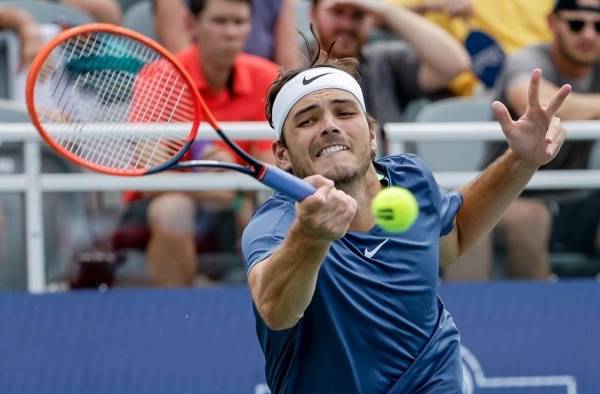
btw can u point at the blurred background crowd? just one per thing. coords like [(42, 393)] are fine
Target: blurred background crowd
[(419, 61)]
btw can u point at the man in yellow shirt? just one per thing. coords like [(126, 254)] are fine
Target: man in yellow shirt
[(512, 23)]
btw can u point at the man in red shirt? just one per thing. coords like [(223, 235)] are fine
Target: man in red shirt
[(234, 86)]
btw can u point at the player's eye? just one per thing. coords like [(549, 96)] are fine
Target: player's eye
[(307, 122), (346, 114)]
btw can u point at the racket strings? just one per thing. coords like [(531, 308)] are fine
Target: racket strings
[(106, 98)]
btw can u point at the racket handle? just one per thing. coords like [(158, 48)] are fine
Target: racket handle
[(286, 183)]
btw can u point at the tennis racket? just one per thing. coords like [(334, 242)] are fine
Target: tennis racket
[(116, 102)]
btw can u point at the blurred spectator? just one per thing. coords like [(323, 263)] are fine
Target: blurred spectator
[(393, 73), (572, 57), (512, 23), (26, 28), (233, 85), (273, 29), (105, 11)]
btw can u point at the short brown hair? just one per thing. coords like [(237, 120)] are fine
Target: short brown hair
[(320, 59), (197, 6)]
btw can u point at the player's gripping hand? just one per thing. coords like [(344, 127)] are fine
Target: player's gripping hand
[(326, 215)]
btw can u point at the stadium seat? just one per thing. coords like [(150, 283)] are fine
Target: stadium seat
[(453, 156), (595, 157), (50, 12), (139, 17)]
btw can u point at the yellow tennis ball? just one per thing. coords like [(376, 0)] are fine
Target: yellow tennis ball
[(395, 209)]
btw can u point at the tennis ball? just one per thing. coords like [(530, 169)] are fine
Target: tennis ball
[(395, 209)]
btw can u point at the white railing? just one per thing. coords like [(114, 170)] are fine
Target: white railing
[(34, 183)]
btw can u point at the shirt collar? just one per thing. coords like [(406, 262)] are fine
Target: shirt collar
[(242, 80)]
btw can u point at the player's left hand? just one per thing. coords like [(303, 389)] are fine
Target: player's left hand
[(537, 136)]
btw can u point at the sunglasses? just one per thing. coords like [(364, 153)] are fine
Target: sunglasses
[(576, 25)]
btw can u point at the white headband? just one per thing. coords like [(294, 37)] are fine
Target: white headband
[(310, 81)]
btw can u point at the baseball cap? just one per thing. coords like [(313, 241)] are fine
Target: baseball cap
[(560, 5)]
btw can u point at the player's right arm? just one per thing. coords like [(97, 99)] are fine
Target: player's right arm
[(283, 284)]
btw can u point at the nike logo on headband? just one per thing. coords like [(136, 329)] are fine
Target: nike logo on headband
[(306, 81)]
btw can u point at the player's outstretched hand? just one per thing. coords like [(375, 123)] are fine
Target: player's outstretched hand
[(537, 136), (326, 215)]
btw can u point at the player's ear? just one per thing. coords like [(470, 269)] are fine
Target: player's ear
[(282, 158)]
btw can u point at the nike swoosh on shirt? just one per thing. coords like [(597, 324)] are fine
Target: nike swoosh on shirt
[(371, 253), (306, 81)]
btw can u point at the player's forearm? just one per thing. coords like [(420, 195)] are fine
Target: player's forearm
[(438, 51), (283, 285), (487, 197)]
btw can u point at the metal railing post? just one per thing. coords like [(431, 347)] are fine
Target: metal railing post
[(36, 281)]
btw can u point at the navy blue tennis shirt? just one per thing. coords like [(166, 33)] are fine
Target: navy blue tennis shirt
[(375, 323)]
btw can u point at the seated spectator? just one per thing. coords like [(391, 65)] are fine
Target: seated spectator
[(522, 23), (26, 28), (273, 29), (392, 72), (233, 85), (572, 57)]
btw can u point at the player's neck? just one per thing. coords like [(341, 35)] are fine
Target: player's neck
[(363, 192)]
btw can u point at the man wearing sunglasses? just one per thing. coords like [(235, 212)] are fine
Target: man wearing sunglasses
[(540, 218)]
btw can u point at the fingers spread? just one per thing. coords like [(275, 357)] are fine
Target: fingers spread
[(534, 88), (553, 129), (503, 116), (558, 99)]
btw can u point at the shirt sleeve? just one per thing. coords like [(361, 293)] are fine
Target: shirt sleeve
[(445, 203), (266, 230), (449, 204)]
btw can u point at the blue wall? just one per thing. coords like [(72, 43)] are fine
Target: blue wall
[(518, 338)]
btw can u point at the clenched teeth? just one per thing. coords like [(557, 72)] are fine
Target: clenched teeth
[(331, 149)]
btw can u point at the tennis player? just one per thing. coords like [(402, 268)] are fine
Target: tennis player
[(341, 305)]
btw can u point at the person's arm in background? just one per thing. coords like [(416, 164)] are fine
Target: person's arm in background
[(283, 284), (171, 18), (452, 8), (104, 11), (533, 141), (578, 106), (442, 57), (26, 28), (286, 54)]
